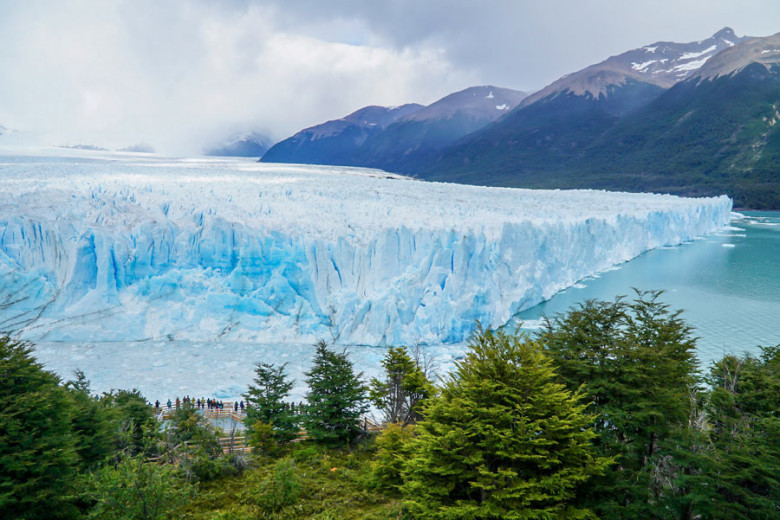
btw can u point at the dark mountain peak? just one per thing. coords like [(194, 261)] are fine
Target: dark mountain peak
[(375, 115), (727, 33), (764, 51), (661, 63), (485, 102)]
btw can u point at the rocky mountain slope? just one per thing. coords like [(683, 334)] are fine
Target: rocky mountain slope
[(713, 132), (391, 137), (335, 142)]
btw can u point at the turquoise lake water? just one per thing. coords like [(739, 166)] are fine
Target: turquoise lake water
[(727, 285)]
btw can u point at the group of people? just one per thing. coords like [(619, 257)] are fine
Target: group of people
[(202, 403)]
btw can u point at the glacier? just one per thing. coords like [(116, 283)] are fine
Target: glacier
[(113, 247)]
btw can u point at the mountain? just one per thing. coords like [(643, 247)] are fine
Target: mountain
[(396, 138), (248, 144), (335, 142), (714, 131), (662, 64), (551, 128), (418, 136)]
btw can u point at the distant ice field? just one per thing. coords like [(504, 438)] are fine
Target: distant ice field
[(131, 250)]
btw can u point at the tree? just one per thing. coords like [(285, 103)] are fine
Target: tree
[(336, 398), (38, 459), (393, 446), (636, 362), (504, 439), (743, 480), (192, 444), (268, 415), (90, 423), (403, 390), (132, 422), (136, 490)]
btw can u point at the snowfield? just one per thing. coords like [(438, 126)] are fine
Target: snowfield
[(99, 247)]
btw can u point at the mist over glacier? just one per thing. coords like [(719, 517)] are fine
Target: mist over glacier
[(126, 248)]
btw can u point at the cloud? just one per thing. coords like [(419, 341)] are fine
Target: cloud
[(182, 74)]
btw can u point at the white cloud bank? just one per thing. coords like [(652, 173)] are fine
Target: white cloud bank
[(178, 76)]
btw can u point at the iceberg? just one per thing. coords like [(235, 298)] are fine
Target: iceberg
[(110, 247)]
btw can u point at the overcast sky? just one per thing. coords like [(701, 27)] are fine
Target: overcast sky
[(179, 74)]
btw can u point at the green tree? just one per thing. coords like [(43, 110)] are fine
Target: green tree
[(192, 444), (393, 447), (136, 490), (404, 388), (38, 459), (636, 362), (269, 419), (743, 481), (91, 424), (135, 430), (503, 440), (336, 398)]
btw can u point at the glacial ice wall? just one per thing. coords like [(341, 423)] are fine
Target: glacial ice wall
[(121, 248)]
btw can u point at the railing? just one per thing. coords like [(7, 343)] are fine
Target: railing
[(238, 443)]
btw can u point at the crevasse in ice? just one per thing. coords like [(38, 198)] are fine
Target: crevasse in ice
[(119, 248)]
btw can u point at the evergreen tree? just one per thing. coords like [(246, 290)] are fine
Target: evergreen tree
[(637, 364), (400, 395), (38, 459), (503, 440), (336, 399), (90, 423), (743, 477), (268, 413), (132, 422)]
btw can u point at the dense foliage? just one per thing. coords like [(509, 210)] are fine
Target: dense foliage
[(38, 456), (504, 439), (635, 363), (604, 413)]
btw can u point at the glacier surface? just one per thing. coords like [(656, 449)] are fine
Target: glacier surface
[(125, 248)]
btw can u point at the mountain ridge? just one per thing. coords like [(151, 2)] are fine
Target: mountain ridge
[(714, 132), (382, 137)]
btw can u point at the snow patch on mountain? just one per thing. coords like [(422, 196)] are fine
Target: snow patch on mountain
[(692, 55)]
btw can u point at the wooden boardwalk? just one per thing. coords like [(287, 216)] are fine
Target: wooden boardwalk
[(239, 443)]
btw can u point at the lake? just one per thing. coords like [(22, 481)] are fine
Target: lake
[(727, 285)]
